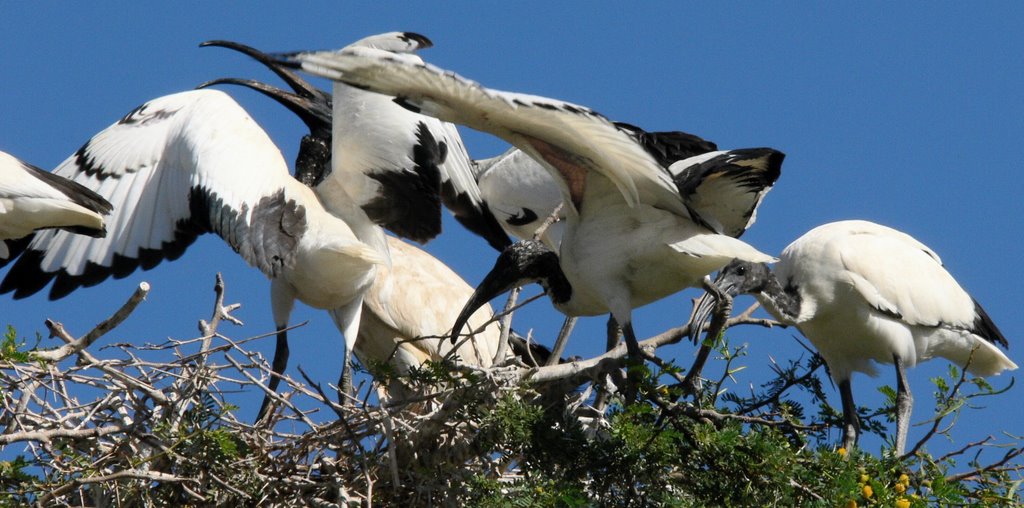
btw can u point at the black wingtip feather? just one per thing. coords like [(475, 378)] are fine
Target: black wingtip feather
[(409, 203), (14, 248), (477, 219), (25, 278), (76, 192), (986, 328), (421, 40), (669, 146)]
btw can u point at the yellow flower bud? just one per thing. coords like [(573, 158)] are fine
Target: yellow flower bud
[(902, 503), (841, 451), (864, 478), (904, 479), (851, 504), (899, 488), (868, 491)]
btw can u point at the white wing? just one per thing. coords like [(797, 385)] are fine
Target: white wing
[(400, 166), (32, 199), (896, 274), (521, 194), (571, 140), (409, 311), (174, 168), (723, 189)]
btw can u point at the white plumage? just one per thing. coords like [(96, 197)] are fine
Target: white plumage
[(522, 195), (400, 166), (864, 293), (32, 199), (629, 237), (412, 303), (195, 162), (409, 311)]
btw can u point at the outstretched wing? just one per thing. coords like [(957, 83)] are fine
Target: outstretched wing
[(174, 168), (723, 189), (399, 166), (571, 140)]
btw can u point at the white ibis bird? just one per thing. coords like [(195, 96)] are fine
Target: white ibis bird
[(630, 236), (863, 293), (32, 199), (395, 317), (192, 163)]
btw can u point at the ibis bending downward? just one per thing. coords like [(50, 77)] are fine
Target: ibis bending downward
[(32, 199), (631, 236), (862, 292), (191, 163)]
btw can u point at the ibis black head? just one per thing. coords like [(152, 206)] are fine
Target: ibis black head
[(520, 263), (312, 105), (736, 278)]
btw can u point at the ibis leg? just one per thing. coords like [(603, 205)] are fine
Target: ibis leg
[(904, 405), (345, 380), (632, 344), (614, 380), (635, 358), (277, 367), (614, 333), (851, 426)]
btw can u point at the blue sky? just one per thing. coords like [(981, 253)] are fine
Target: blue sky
[(906, 114)]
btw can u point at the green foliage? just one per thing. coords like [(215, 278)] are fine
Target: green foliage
[(647, 455), (15, 482), (474, 438), (11, 349)]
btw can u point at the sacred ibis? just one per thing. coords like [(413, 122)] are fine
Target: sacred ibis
[(630, 236), (195, 162), (386, 335), (32, 199), (862, 292)]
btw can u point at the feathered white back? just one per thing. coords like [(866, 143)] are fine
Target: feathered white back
[(869, 291)]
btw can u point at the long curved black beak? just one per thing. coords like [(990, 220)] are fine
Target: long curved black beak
[(495, 283), (275, 64), (520, 263), (707, 303), (316, 114), (309, 103)]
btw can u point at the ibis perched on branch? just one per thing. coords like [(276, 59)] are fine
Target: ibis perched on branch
[(863, 293), (631, 234), (32, 199)]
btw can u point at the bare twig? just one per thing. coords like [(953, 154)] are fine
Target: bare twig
[(74, 346)]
